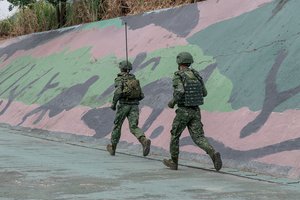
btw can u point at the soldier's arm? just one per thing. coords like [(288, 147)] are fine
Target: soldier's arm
[(178, 88), (204, 91), (118, 91)]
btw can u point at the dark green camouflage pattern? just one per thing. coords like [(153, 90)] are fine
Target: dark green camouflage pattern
[(125, 65), (131, 112), (127, 108), (189, 117)]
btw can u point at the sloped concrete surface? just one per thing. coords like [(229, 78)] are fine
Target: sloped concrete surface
[(33, 166)]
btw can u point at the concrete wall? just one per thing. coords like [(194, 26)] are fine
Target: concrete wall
[(247, 51)]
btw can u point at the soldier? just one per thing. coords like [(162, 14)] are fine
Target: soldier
[(189, 90), (128, 93)]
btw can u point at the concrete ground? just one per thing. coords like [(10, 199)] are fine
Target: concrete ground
[(33, 168)]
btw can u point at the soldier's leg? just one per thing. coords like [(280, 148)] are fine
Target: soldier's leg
[(196, 131), (116, 133), (133, 119), (179, 123)]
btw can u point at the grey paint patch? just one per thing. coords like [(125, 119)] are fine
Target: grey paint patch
[(157, 96), (179, 21), (206, 73), (278, 8), (107, 92), (31, 42), (273, 97), (140, 63), (49, 85), (66, 100), (101, 120), (156, 132)]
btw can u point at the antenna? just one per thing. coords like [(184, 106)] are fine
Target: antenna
[(126, 43)]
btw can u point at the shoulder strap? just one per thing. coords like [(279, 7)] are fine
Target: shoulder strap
[(182, 75), (196, 73)]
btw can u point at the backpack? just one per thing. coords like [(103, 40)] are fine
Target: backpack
[(131, 88)]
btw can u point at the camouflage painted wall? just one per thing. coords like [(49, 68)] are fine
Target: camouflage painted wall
[(246, 50)]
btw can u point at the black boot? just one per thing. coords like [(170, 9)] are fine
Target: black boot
[(146, 143), (171, 163), (216, 158), (111, 148)]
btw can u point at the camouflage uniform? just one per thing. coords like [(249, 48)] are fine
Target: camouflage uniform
[(188, 97), (127, 108), (187, 117)]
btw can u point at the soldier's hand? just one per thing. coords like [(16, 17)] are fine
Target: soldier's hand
[(113, 107), (171, 104), (142, 96)]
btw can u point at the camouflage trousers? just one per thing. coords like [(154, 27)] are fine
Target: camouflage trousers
[(191, 118), (131, 112)]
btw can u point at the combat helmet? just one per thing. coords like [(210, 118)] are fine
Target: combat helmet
[(125, 65), (184, 58)]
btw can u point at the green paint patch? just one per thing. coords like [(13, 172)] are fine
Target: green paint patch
[(219, 89), (72, 67), (117, 22)]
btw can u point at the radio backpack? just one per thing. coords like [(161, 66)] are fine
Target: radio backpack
[(131, 88)]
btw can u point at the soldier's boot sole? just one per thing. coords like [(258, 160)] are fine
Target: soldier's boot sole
[(169, 163), (146, 147), (110, 149), (217, 161)]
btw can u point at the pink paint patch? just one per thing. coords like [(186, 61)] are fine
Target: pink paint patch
[(287, 158), (147, 39), (212, 12), (69, 122), (226, 127)]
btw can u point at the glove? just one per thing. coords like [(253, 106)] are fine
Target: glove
[(142, 96), (171, 104), (113, 107)]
